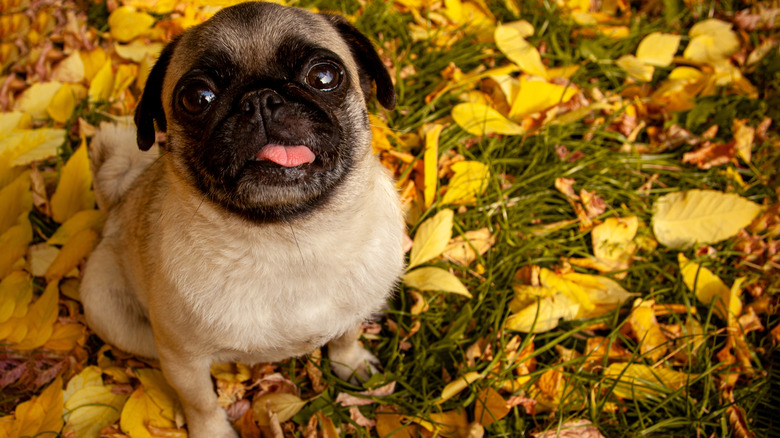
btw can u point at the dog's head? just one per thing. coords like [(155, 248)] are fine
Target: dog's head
[(265, 107)]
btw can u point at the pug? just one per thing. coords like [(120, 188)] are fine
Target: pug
[(263, 227)]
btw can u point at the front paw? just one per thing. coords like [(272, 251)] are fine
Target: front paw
[(216, 427), (355, 365)]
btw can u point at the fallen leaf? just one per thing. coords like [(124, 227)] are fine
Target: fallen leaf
[(646, 331), (480, 120), (39, 416), (543, 313), (364, 397), (102, 84), (14, 243), (465, 249), (74, 191), (490, 407), (40, 257), (431, 238), (24, 146), (62, 104), (70, 69), (126, 23), (511, 42), (708, 287), (571, 429), (69, 257), (613, 245), (743, 139), (658, 49), (682, 219), (470, 180), (137, 50), (636, 68), (36, 99), (430, 162), (435, 279), (284, 405), (637, 381), (457, 385), (391, 424), (85, 219), (153, 404), (15, 200), (534, 96), (712, 41), (89, 405), (16, 290)]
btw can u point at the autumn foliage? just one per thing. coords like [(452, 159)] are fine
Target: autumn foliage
[(591, 196)]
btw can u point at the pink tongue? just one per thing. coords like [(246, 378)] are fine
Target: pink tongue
[(287, 156)]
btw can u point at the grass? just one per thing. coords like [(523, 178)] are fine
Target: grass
[(520, 198)]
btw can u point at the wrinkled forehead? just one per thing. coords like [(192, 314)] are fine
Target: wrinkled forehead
[(252, 36)]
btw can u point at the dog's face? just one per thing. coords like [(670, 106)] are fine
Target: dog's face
[(265, 107)]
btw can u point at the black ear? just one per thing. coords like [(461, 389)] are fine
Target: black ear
[(369, 64), (150, 107)]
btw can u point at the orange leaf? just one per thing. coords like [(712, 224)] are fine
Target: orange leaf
[(490, 407)]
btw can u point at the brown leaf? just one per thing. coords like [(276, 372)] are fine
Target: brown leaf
[(571, 429)]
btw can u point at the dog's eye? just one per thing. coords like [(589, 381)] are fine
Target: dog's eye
[(324, 76), (197, 98)]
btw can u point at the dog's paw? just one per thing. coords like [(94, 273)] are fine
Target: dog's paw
[(211, 428), (355, 365)]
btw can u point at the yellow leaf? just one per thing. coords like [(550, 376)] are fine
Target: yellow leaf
[(15, 200), (543, 314), (712, 41), (35, 99), (390, 424), (93, 61), (708, 287), (124, 77), (90, 409), (39, 416), (682, 219), (535, 95), (678, 91), (102, 84), (65, 337), (431, 161), (449, 424), (469, 180), (231, 372), (637, 381), (490, 407), (89, 376), (456, 386), (570, 286), (70, 69), (82, 220), (14, 244), (479, 119), (137, 50), (510, 41), (74, 192), (613, 243), (604, 294), (13, 120), (743, 139), (435, 279), (464, 249), (62, 104), (24, 146), (39, 321), (16, 291), (153, 404), (636, 68), (646, 330), (126, 23), (431, 238), (523, 27), (284, 405), (40, 257), (658, 49)]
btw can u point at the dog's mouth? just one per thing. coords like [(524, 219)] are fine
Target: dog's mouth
[(286, 156)]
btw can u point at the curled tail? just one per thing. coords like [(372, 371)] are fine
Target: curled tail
[(116, 161)]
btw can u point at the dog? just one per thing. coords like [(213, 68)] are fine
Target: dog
[(263, 227)]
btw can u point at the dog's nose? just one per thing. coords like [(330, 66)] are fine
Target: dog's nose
[(263, 103)]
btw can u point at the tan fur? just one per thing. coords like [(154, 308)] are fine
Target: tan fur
[(178, 278)]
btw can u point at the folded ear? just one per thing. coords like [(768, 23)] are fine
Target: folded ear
[(150, 107), (368, 61)]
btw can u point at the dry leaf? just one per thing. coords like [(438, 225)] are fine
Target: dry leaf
[(430, 162), (16, 290), (74, 191), (431, 238), (435, 279), (571, 429), (510, 40), (646, 331), (637, 381), (390, 424), (480, 120), (39, 416), (658, 49), (69, 257), (86, 219), (712, 41), (470, 180), (457, 385), (538, 95), (682, 219), (15, 200), (283, 405), (490, 407), (636, 68), (36, 99), (708, 287), (126, 23), (89, 405), (464, 249), (153, 404)]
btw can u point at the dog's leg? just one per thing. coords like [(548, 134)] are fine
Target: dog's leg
[(111, 309), (189, 374), (349, 360)]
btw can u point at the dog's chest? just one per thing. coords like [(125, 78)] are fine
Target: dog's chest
[(279, 294)]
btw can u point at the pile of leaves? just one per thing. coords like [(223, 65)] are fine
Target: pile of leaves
[(591, 195)]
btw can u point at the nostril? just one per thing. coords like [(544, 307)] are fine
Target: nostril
[(247, 106), (263, 103), (272, 100)]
